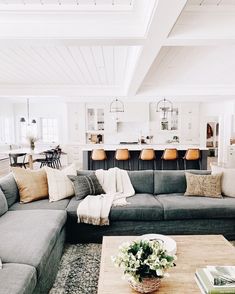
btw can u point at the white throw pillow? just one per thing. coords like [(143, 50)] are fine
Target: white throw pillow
[(59, 185), (228, 179)]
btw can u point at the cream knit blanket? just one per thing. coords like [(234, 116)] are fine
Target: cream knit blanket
[(117, 186)]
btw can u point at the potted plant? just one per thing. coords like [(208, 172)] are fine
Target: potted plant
[(144, 262), (32, 139)]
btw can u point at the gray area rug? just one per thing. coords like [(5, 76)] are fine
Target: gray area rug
[(79, 270)]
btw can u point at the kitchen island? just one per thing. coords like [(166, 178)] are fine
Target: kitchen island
[(134, 154)]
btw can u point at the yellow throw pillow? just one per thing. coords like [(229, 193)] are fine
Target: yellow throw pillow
[(203, 185), (32, 185)]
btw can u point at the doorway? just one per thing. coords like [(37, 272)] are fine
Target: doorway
[(212, 141)]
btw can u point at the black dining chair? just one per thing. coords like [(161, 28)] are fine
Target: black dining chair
[(18, 160), (47, 160)]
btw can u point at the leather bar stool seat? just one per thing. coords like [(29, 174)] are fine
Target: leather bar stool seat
[(122, 155), (192, 155), (147, 154), (98, 155), (170, 154)]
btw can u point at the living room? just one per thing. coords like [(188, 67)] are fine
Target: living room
[(131, 101)]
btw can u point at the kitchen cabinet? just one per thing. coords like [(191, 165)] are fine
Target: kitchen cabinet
[(135, 112), (95, 118), (189, 123)]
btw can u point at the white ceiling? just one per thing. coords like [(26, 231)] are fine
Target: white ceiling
[(73, 49), (193, 66), (124, 5), (211, 2), (64, 65)]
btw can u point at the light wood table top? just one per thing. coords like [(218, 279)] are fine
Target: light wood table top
[(192, 252)]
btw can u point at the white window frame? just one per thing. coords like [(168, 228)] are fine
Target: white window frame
[(5, 130), (52, 134)]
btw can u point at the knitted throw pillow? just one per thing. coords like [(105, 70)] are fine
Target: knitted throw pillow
[(86, 185)]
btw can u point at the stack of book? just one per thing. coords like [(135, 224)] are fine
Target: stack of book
[(216, 279)]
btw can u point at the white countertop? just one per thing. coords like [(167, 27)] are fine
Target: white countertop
[(133, 147)]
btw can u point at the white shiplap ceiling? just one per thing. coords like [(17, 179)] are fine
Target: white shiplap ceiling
[(63, 65), (211, 2), (109, 5), (74, 48)]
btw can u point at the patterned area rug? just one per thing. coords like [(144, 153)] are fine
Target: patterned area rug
[(79, 270)]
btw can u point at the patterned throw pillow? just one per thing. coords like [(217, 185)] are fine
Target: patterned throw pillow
[(203, 185), (86, 185)]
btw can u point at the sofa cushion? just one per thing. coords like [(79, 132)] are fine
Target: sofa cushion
[(178, 206), (17, 279), (41, 204), (172, 181), (142, 181), (3, 203), (141, 207), (10, 189), (29, 236), (84, 172)]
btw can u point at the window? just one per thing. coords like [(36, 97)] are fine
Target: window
[(5, 130), (27, 131), (50, 130)]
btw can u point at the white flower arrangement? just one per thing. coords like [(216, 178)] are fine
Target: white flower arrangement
[(144, 259)]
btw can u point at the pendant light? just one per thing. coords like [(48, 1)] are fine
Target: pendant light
[(116, 106), (165, 106), (23, 120)]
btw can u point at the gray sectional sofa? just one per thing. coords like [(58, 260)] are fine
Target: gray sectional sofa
[(32, 235)]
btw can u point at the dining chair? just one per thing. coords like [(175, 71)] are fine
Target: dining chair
[(18, 160)]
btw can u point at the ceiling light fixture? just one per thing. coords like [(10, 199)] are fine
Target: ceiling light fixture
[(23, 120), (116, 106), (165, 106)]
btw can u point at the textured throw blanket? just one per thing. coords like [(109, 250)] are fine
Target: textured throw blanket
[(117, 186)]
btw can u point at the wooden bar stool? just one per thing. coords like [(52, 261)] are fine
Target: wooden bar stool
[(147, 154), (122, 155), (170, 154), (99, 155), (192, 155)]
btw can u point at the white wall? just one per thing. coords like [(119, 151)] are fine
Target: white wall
[(44, 110), (223, 111), (6, 111)]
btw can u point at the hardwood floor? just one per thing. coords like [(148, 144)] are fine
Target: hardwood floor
[(4, 167)]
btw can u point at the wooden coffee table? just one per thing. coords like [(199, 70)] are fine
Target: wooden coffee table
[(193, 252)]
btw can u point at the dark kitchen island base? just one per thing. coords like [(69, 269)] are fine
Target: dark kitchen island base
[(136, 164)]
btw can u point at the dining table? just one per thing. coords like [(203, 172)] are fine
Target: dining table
[(29, 152)]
